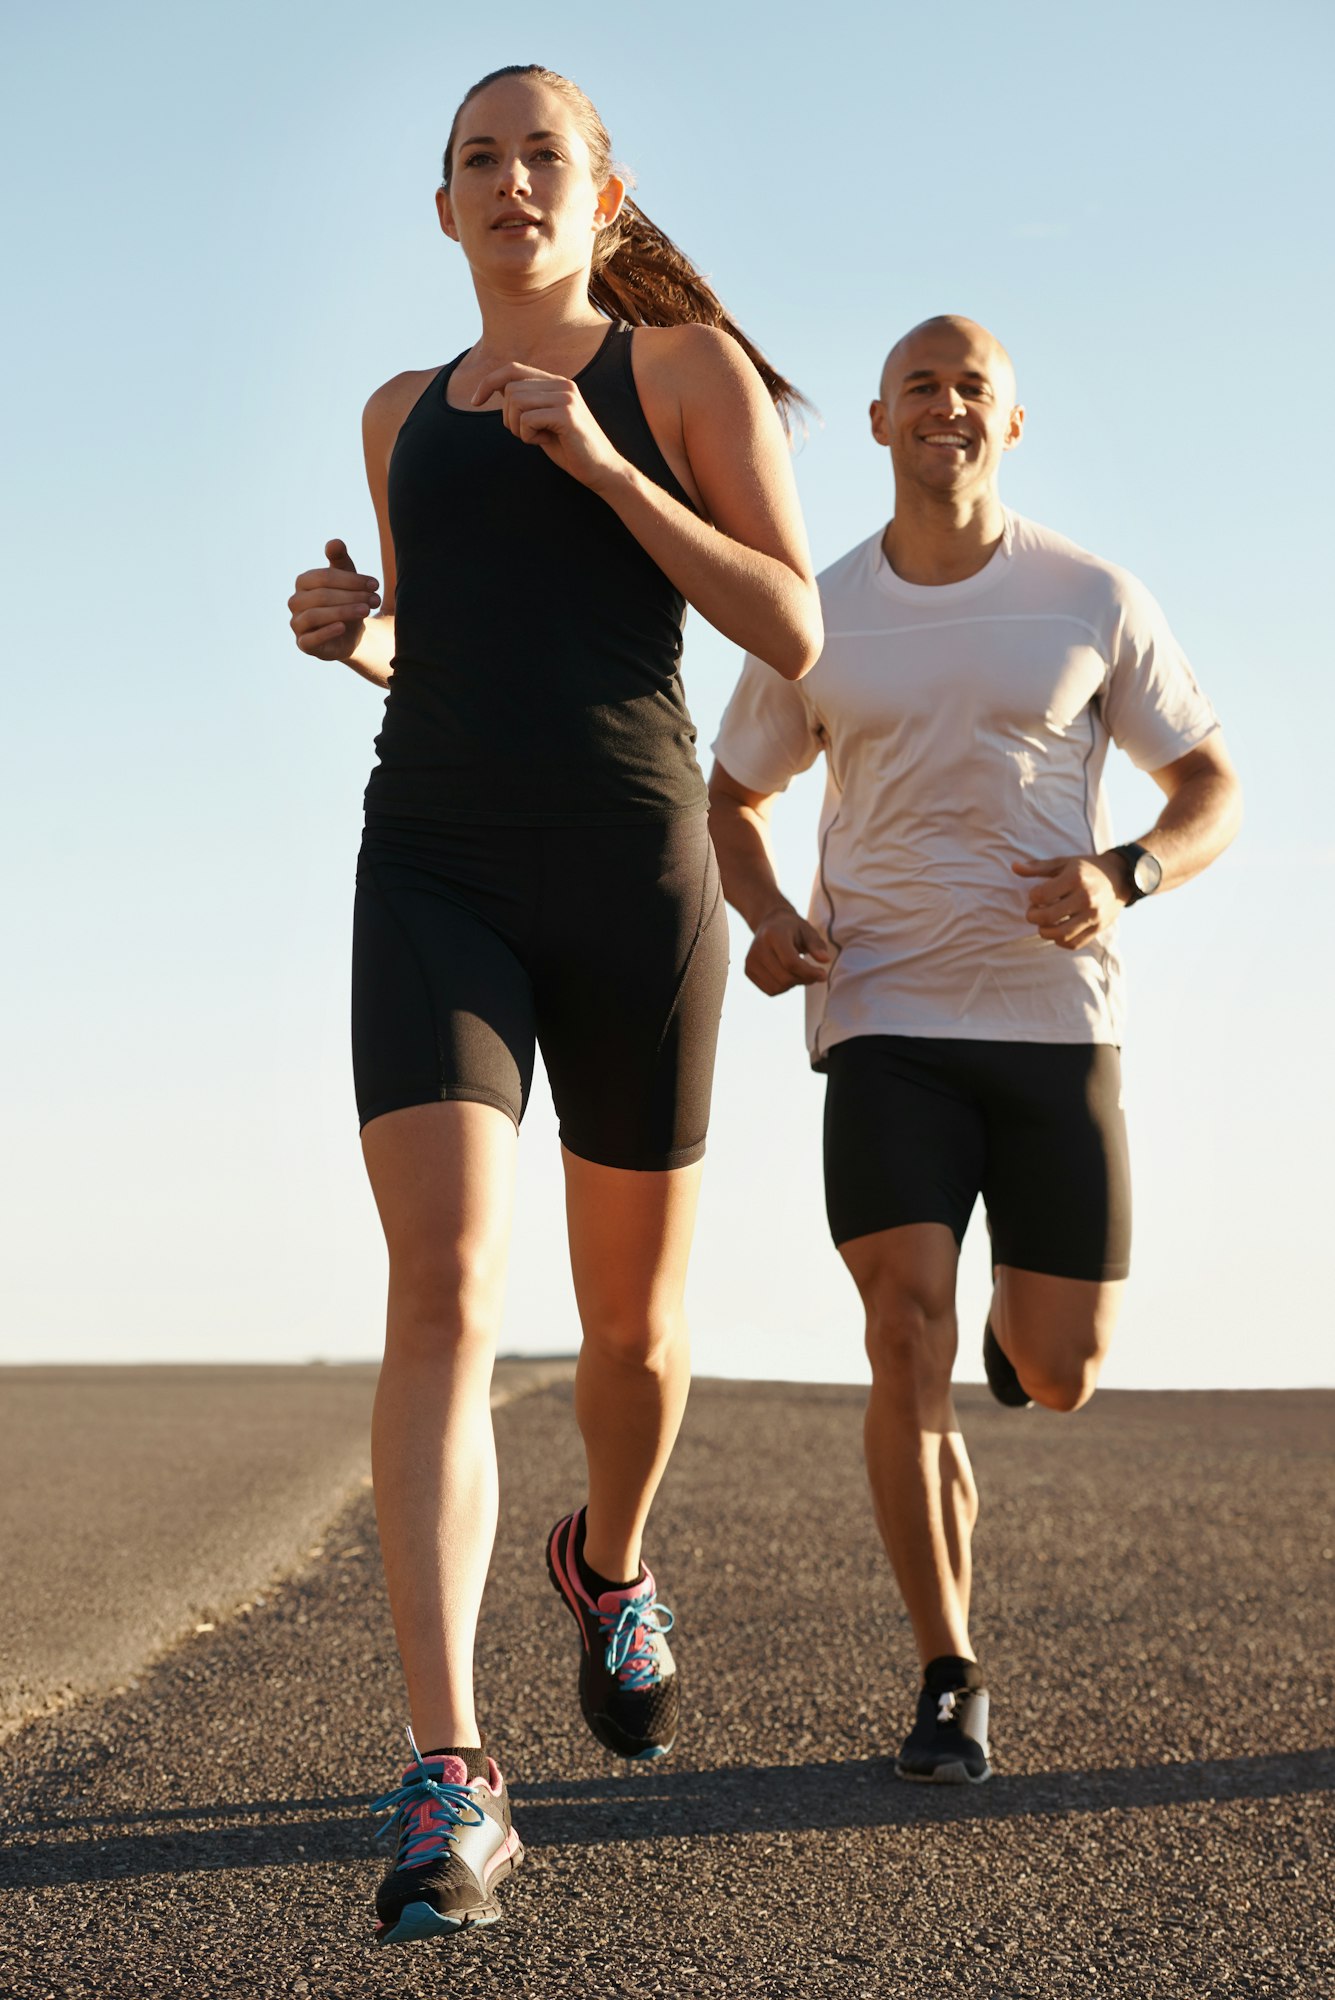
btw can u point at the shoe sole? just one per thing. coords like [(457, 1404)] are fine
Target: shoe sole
[(417, 1922), (612, 1739), (601, 1726), (955, 1773)]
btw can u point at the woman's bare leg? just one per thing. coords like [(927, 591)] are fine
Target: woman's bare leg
[(630, 1239), (443, 1179)]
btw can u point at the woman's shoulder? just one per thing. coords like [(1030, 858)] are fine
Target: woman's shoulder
[(385, 414), (388, 405), (701, 349), (702, 369)]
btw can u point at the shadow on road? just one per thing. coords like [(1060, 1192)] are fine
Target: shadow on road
[(634, 1805)]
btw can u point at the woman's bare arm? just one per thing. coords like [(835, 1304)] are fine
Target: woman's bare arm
[(747, 568), (334, 610)]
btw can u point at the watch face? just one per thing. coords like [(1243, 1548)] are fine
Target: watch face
[(1147, 874)]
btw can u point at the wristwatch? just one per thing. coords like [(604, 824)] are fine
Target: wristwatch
[(1145, 870)]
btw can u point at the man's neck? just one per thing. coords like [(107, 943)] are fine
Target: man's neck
[(938, 538)]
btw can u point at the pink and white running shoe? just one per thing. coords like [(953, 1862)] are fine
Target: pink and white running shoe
[(627, 1676), (455, 1844)]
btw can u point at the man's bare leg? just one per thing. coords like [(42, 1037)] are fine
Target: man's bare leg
[(1055, 1332), (922, 1485)]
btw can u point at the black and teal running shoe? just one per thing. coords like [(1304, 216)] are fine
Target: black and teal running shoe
[(947, 1744), (455, 1844), (627, 1676)]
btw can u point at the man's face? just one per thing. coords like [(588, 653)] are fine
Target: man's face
[(947, 409)]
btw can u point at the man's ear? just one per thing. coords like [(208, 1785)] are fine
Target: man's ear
[(1015, 428), (880, 422), (611, 196), (445, 210)]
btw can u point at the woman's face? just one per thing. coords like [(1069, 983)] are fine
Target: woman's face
[(522, 201)]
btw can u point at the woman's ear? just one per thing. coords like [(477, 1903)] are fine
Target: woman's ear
[(445, 210), (611, 196)]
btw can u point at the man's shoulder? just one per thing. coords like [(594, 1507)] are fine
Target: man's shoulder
[(1056, 563), (851, 571)]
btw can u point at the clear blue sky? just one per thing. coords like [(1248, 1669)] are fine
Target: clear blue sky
[(220, 237)]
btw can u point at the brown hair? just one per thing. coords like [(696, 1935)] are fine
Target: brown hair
[(639, 275)]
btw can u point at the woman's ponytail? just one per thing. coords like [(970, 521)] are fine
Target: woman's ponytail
[(640, 275)]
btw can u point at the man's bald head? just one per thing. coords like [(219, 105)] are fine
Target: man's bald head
[(947, 410), (952, 333)]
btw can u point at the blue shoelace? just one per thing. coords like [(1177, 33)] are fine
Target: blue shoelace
[(629, 1655), (426, 1814)]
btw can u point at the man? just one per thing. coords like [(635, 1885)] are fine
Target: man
[(964, 993)]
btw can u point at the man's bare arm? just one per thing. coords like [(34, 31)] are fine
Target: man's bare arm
[(1077, 896), (1202, 814), (786, 950)]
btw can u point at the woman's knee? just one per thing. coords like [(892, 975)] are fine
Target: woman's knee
[(444, 1301), (635, 1338)]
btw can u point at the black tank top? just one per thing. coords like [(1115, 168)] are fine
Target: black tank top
[(537, 647)]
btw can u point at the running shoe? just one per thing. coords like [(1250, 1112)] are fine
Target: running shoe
[(1002, 1379), (947, 1744), (455, 1844), (627, 1676)]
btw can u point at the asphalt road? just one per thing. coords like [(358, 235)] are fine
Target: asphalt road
[(141, 1503), (1154, 1606)]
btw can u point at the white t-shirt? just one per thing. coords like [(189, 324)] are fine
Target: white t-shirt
[(965, 726)]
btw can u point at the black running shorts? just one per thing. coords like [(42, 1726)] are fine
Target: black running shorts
[(916, 1128), (606, 948)]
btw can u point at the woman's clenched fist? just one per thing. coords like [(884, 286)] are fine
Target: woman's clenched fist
[(330, 606)]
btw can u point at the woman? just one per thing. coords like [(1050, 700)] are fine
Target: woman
[(537, 866)]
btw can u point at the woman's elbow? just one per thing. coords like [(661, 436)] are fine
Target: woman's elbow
[(803, 642)]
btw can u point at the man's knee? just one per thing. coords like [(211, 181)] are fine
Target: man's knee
[(910, 1335), (1062, 1383), (1057, 1332)]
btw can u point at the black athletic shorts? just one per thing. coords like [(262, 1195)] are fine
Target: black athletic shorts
[(917, 1127), (605, 947)]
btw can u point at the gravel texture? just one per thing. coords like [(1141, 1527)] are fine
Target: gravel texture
[(1154, 1607)]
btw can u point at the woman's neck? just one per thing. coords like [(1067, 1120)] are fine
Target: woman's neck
[(549, 327)]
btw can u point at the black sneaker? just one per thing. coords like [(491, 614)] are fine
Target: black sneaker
[(947, 1744), (455, 1844), (627, 1677), (1002, 1379)]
